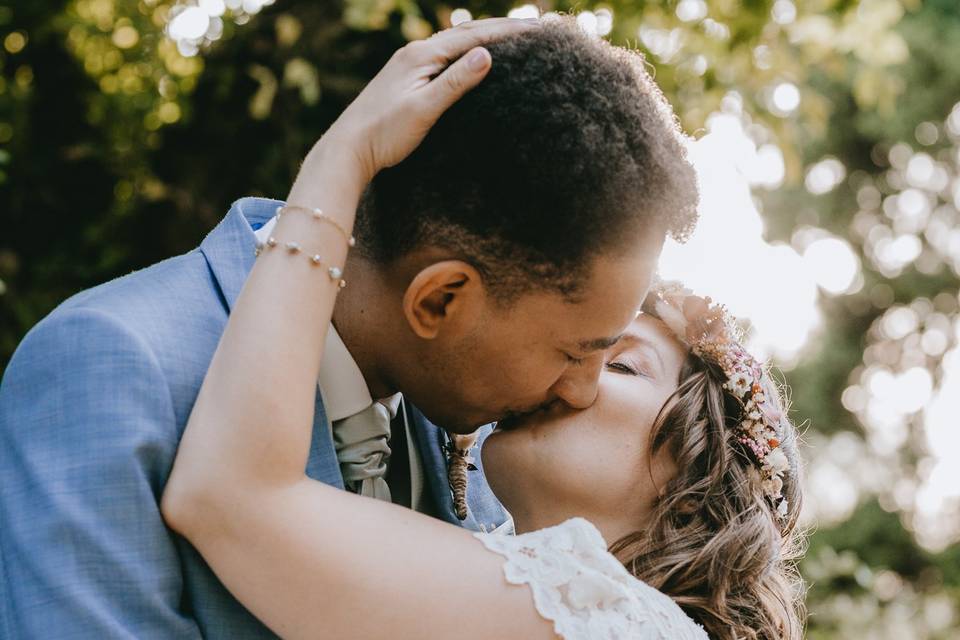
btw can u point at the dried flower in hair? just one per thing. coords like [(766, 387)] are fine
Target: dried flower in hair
[(777, 461), (739, 384), (712, 334), (459, 461)]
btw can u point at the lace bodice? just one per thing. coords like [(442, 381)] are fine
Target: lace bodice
[(584, 590)]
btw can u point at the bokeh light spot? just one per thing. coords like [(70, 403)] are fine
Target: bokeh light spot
[(784, 99), (459, 16), (15, 42), (833, 264), (524, 12), (691, 10), (824, 176)]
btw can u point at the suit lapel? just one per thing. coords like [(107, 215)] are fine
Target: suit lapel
[(229, 247), (484, 511), (229, 253)]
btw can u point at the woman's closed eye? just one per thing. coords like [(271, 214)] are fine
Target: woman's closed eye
[(625, 366)]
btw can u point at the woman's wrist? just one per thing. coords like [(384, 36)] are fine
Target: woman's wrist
[(332, 178)]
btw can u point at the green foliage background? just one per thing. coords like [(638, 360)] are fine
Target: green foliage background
[(117, 151)]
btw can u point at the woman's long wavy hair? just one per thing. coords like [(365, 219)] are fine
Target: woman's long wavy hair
[(715, 543)]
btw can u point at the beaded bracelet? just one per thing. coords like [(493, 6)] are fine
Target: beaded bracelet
[(335, 273), (319, 215)]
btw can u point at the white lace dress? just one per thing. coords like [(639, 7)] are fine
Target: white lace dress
[(587, 594)]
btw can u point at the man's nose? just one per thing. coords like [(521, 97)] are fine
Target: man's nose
[(578, 385)]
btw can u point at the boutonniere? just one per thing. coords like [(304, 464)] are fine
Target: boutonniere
[(459, 461)]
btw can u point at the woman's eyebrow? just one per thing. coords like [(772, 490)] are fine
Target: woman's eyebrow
[(635, 339)]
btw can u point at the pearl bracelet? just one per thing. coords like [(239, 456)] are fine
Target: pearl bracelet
[(320, 216), (335, 273)]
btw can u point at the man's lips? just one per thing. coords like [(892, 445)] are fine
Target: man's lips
[(515, 420)]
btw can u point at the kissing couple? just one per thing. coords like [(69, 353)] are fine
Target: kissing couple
[(287, 431)]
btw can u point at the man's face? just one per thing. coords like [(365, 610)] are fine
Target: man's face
[(537, 350)]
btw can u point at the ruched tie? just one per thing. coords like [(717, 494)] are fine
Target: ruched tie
[(361, 441)]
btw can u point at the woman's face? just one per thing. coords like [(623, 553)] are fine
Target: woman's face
[(595, 462)]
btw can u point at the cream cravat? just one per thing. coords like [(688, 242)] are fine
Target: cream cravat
[(362, 449)]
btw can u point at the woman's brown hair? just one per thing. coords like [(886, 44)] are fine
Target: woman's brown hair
[(715, 542)]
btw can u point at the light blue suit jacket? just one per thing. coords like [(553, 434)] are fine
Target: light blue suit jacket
[(92, 407)]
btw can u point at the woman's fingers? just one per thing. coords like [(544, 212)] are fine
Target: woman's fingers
[(465, 71), (456, 80), (398, 107), (450, 44)]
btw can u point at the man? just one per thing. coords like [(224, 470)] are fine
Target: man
[(493, 266)]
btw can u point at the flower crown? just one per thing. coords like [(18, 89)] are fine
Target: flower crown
[(712, 334)]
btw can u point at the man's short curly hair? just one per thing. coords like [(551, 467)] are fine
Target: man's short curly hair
[(566, 150)]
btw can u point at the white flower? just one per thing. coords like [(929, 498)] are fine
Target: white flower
[(777, 461), (738, 384)]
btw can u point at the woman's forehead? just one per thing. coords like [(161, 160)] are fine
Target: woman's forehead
[(650, 325), (650, 329)]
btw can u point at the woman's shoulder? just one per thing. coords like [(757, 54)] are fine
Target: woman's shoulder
[(584, 590)]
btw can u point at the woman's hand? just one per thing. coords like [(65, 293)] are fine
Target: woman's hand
[(391, 116)]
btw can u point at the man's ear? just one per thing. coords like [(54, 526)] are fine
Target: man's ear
[(445, 295)]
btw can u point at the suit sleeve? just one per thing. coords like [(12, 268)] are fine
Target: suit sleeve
[(87, 439)]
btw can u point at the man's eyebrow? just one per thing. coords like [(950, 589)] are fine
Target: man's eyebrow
[(599, 343)]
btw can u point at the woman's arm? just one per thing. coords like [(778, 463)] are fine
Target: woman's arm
[(309, 560)]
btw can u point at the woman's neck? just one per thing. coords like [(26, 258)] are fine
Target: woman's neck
[(551, 514)]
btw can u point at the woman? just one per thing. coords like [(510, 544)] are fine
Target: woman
[(685, 462)]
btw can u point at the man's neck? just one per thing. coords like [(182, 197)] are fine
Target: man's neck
[(365, 317)]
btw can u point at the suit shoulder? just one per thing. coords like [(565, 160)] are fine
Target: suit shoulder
[(145, 291), (171, 314), (169, 302), (70, 335)]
